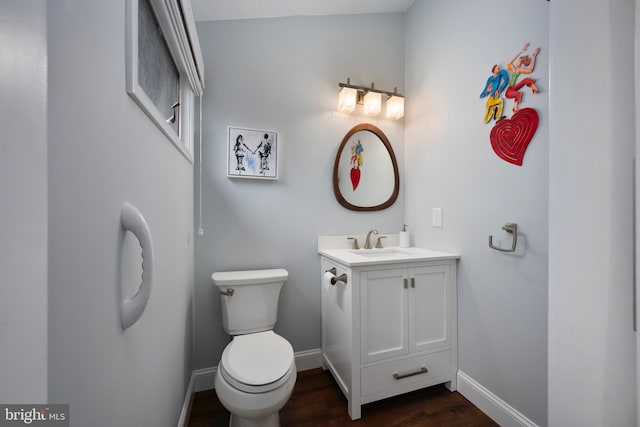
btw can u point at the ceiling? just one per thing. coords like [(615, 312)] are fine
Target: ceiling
[(215, 10)]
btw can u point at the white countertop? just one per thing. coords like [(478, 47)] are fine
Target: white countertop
[(387, 255)]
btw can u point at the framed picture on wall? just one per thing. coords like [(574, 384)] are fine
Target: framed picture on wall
[(252, 153)]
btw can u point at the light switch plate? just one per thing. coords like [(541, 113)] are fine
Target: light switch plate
[(436, 217)]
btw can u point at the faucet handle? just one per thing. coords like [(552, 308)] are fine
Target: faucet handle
[(379, 242), (355, 243)]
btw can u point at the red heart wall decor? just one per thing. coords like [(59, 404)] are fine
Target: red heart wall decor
[(510, 137)]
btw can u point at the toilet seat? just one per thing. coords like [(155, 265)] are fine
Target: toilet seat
[(257, 363)]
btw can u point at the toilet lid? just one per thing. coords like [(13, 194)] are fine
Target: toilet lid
[(257, 359)]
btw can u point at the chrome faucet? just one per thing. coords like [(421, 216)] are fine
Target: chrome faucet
[(367, 243)]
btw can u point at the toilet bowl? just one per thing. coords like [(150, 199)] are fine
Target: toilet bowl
[(255, 378), (257, 370)]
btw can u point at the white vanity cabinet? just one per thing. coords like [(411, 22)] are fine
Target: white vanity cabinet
[(391, 328)]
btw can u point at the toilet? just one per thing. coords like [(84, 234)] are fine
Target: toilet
[(257, 371)]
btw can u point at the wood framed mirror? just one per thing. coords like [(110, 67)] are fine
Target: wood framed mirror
[(365, 172)]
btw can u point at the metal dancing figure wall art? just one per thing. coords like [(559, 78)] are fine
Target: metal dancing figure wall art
[(510, 137)]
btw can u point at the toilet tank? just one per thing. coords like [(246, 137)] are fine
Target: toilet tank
[(249, 299)]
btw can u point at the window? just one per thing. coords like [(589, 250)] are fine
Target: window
[(157, 73), (164, 66)]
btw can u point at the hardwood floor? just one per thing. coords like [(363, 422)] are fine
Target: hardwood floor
[(318, 402)]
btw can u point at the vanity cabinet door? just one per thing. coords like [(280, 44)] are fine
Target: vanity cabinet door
[(383, 311), (429, 308), (404, 311)]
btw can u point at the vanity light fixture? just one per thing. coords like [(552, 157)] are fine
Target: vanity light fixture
[(371, 99), (347, 99), (372, 102), (395, 107)]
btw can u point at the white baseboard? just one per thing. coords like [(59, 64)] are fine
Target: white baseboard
[(205, 378), (497, 409), (308, 359), (186, 407)]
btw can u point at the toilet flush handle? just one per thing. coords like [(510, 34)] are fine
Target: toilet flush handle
[(227, 292)]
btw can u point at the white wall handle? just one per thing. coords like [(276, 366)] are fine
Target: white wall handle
[(133, 221)]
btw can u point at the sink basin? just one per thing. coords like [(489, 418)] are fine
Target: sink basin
[(377, 256), (374, 253)]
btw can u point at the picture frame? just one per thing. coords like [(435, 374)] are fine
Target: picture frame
[(252, 153)]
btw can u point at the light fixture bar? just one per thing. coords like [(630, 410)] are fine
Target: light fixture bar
[(369, 89), (371, 99)]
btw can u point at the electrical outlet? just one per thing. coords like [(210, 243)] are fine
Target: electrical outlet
[(436, 217)]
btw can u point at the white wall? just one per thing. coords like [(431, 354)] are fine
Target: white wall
[(104, 151), (282, 75), (637, 198), (591, 340), (23, 195), (502, 298)]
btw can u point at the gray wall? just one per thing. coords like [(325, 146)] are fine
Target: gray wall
[(23, 196), (104, 151), (592, 354), (502, 298), (282, 75)]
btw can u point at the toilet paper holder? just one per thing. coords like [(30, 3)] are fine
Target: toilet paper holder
[(335, 279)]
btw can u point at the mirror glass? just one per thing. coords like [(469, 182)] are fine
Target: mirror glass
[(365, 173)]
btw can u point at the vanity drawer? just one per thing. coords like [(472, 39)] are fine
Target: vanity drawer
[(388, 379)]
